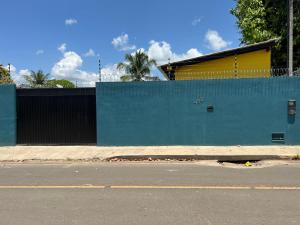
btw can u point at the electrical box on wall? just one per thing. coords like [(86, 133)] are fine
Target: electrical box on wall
[(210, 108), (278, 137), (292, 107)]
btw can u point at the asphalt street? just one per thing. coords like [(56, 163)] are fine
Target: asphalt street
[(154, 193)]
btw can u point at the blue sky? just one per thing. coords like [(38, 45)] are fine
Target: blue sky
[(33, 30)]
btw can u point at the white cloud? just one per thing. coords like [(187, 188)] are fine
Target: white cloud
[(89, 53), (69, 68), (196, 21), (215, 41), (24, 72), (192, 53), (110, 73), (65, 68), (62, 48), (70, 21), (122, 43), (39, 52), (162, 52)]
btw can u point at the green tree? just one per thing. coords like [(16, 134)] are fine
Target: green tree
[(261, 20), (137, 67), (5, 76), (37, 79), (60, 83)]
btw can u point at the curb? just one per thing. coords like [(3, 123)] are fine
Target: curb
[(180, 158), (231, 158)]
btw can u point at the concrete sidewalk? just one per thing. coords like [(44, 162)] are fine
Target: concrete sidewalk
[(58, 153)]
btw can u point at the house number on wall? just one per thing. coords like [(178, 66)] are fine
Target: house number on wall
[(199, 101)]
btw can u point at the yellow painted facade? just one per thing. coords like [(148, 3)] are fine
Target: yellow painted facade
[(245, 65)]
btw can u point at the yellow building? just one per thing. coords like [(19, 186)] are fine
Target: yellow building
[(244, 62)]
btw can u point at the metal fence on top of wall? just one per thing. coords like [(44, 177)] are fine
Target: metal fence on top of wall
[(206, 75)]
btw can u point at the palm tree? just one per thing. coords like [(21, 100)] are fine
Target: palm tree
[(37, 79), (137, 67)]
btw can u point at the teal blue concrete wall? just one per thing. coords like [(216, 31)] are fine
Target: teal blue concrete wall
[(7, 115), (246, 112)]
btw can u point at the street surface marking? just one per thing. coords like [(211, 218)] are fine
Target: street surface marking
[(54, 187), (152, 187), (179, 187), (208, 187)]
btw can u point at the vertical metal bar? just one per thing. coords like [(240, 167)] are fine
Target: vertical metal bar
[(9, 69), (291, 41), (100, 71), (235, 66)]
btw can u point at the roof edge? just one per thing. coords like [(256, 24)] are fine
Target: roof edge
[(221, 54)]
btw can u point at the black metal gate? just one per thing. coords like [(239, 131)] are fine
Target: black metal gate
[(56, 116)]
